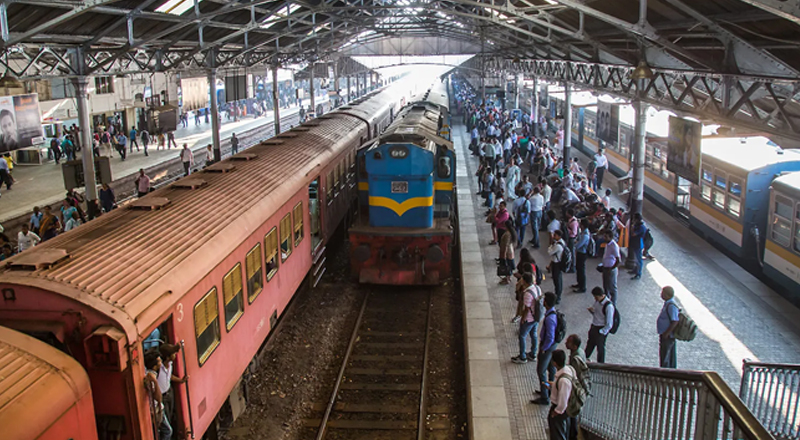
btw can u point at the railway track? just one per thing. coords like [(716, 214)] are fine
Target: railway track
[(381, 390)]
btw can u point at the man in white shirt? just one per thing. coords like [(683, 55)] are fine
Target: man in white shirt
[(602, 164), (187, 157), (166, 378), (537, 207), (556, 252), (602, 320), (27, 239), (558, 420), (547, 193)]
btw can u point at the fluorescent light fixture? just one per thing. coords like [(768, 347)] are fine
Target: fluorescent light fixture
[(176, 7)]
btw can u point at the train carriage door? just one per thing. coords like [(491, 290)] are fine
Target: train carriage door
[(314, 214), (683, 196)]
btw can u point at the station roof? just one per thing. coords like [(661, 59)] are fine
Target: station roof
[(753, 43)]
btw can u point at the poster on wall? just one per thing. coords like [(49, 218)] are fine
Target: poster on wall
[(684, 142), (194, 93), (20, 122), (608, 122)]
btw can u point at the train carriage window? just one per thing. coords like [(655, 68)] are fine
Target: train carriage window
[(781, 223), (443, 168), (735, 188), (707, 175), (336, 173), (718, 198), (298, 224), (255, 280), (734, 206), (206, 325), (232, 296), (705, 191), (719, 182), (271, 252), (286, 237)]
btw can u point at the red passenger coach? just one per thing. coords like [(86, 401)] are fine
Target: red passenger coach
[(209, 263), (44, 393)]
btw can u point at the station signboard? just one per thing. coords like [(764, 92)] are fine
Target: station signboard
[(608, 122)]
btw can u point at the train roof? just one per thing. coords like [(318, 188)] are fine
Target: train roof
[(141, 262), (417, 122), (788, 183), (38, 384), (747, 154)]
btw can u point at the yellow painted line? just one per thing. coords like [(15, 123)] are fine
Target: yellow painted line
[(717, 215), (659, 180), (400, 208), (443, 186), (363, 186), (783, 253)]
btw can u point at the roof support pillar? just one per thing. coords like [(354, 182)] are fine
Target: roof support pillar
[(335, 84), (347, 98), (567, 129), (313, 107), (87, 152), (276, 107), (639, 148), (212, 86)]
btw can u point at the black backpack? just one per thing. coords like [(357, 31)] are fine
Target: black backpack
[(566, 256), (615, 325), (648, 239), (539, 275), (561, 326)]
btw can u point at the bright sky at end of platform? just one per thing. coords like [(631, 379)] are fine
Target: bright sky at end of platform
[(176, 7), (707, 323), (410, 62)]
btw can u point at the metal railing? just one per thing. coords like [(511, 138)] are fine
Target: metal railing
[(772, 392), (632, 403)]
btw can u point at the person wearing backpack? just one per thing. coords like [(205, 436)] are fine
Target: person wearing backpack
[(611, 263), (530, 310), (522, 212), (548, 341), (559, 261), (578, 362), (558, 418), (602, 324), (583, 248), (665, 324)]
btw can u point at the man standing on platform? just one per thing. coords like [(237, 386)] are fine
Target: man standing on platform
[(142, 184), (558, 420), (665, 325), (187, 157), (602, 320), (234, 143), (537, 207), (611, 262), (601, 161), (547, 345)]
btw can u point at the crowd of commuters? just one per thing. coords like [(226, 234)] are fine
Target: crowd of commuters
[(524, 184)]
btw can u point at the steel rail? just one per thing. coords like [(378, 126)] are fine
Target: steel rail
[(323, 424), (423, 394)]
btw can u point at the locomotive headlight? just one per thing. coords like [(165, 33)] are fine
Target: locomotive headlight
[(362, 253), (435, 254)]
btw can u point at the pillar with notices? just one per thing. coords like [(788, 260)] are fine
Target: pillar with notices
[(567, 129), (312, 103), (87, 152), (275, 101), (212, 85)]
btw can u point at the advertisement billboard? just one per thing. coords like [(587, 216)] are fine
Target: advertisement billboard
[(608, 122), (194, 93), (20, 122), (684, 142)]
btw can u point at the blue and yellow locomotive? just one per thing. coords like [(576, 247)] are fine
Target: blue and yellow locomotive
[(403, 233)]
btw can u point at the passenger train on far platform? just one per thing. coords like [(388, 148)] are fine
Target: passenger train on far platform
[(403, 233), (208, 263), (742, 203)]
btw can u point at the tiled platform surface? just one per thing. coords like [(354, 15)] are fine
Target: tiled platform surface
[(738, 317)]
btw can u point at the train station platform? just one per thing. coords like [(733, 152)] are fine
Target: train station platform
[(39, 185), (738, 317)]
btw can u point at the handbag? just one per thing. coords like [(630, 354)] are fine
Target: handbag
[(503, 270)]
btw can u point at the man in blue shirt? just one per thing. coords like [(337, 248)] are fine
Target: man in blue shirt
[(665, 325), (638, 230), (581, 255), (547, 345), (133, 140)]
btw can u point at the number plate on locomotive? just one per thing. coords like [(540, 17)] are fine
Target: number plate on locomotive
[(399, 187)]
